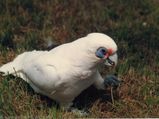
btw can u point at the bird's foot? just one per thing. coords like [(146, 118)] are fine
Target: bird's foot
[(80, 113), (112, 80), (77, 112)]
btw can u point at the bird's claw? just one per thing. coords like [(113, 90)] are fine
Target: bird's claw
[(80, 113), (112, 80)]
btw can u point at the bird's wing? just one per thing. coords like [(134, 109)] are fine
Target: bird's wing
[(42, 74)]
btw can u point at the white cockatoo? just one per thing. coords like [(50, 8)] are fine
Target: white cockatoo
[(65, 71)]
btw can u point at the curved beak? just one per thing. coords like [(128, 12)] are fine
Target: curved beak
[(111, 60)]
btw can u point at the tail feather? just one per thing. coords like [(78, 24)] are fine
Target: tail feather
[(14, 68), (10, 68)]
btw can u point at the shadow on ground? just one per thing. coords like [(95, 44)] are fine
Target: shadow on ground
[(85, 100)]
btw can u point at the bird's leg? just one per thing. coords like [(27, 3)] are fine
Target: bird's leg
[(99, 81)]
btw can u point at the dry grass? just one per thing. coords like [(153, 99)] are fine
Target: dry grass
[(27, 25)]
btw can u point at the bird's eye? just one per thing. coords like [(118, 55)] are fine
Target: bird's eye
[(101, 52)]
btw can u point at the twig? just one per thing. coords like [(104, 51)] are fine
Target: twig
[(112, 97)]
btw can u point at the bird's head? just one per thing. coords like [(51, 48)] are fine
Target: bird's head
[(103, 48)]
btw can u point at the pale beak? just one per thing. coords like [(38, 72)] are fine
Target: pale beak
[(112, 60)]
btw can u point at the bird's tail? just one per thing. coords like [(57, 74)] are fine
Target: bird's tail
[(8, 68), (14, 67)]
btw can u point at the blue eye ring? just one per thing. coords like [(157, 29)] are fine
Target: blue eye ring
[(101, 52)]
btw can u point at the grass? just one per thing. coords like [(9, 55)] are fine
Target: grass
[(134, 25)]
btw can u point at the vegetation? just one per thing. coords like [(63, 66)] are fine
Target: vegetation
[(134, 25)]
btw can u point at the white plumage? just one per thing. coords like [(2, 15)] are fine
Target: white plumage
[(65, 71)]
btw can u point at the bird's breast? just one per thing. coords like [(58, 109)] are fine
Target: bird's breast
[(71, 86)]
